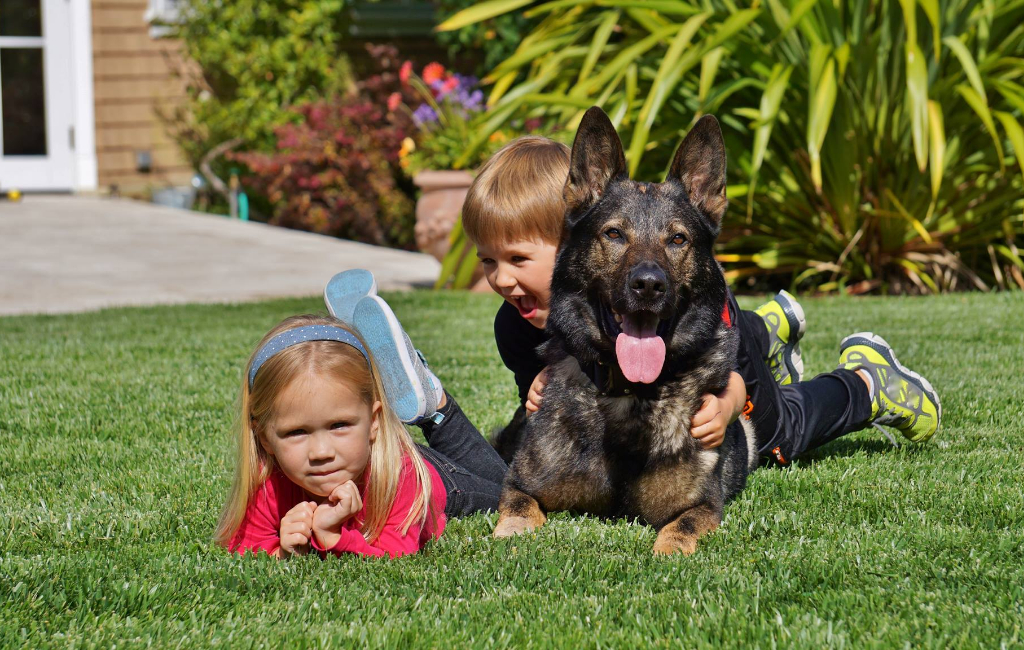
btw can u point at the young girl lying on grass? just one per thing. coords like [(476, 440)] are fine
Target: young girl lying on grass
[(323, 460)]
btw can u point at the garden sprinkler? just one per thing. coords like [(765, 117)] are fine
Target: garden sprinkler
[(237, 199)]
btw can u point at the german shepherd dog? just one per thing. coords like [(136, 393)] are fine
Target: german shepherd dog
[(637, 337)]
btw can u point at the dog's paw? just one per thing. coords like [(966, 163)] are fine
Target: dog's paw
[(672, 544), (512, 526)]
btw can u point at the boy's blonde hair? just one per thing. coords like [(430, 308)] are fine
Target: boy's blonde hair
[(344, 363), (517, 194)]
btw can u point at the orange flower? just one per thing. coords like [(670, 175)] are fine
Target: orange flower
[(405, 71), (433, 72)]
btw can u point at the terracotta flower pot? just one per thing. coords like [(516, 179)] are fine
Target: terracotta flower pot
[(441, 196)]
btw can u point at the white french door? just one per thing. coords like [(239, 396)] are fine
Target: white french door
[(36, 111)]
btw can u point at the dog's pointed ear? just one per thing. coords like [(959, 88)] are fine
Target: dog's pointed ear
[(699, 165), (597, 159)]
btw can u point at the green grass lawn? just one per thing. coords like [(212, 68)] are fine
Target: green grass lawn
[(114, 461)]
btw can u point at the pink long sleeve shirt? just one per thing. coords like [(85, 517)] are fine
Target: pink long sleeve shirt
[(261, 527)]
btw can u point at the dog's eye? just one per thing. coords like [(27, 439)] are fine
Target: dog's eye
[(613, 233), (679, 239)]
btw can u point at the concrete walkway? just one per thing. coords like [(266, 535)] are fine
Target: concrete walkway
[(68, 254)]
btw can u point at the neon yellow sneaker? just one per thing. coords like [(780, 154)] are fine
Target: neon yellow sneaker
[(784, 318), (900, 398)]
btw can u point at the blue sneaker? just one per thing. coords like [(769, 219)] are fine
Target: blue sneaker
[(345, 290), (412, 390)]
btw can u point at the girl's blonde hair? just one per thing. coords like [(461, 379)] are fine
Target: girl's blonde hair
[(344, 363)]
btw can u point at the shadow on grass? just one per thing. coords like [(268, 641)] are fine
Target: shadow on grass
[(849, 447)]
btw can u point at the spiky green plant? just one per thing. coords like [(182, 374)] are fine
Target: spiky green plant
[(873, 144)]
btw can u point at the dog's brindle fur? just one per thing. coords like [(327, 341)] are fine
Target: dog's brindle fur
[(621, 449)]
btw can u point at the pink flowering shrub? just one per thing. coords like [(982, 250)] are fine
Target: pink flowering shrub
[(336, 170)]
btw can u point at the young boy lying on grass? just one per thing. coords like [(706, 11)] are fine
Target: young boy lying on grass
[(514, 212)]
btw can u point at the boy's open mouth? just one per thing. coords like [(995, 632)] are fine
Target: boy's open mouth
[(527, 305), (639, 346)]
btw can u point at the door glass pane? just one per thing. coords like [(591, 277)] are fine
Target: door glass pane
[(20, 18), (22, 101)]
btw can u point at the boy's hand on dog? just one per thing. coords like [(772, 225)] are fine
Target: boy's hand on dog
[(536, 394), (296, 529), (343, 502), (718, 412), (709, 423)]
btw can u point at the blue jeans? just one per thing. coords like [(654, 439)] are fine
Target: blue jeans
[(472, 472)]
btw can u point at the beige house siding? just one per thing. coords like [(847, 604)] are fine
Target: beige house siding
[(132, 75)]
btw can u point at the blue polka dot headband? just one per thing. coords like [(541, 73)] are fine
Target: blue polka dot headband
[(298, 335)]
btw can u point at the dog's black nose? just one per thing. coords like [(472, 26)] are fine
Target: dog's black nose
[(648, 281)]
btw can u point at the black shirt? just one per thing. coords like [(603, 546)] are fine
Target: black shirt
[(517, 343)]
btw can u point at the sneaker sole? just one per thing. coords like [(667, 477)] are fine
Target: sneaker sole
[(882, 347), (382, 333), (797, 326), (348, 288)]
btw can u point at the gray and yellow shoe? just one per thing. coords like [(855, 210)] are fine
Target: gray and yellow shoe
[(784, 318), (411, 389), (900, 397)]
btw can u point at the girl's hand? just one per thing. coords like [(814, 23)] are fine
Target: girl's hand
[(341, 505), (536, 394), (297, 529)]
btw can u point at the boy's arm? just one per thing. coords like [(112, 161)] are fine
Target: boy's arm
[(718, 412), (515, 339)]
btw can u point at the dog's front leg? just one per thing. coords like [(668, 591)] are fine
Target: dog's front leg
[(680, 535), (518, 513)]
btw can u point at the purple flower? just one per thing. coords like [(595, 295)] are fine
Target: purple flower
[(424, 115)]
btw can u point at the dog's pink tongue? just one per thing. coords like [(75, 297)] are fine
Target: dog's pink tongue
[(640, 351)]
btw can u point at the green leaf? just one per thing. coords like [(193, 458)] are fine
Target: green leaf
[(501, 86), (937, 146), (910, 20), (664, 82), (622, 59), (527, 55), (799, 10), (931, 10), (467, 267), (818, 120), (708, 70), (597, 44), (1011, 93), (1016, 135), (496, 118), (770, 102), (967, 63), (668, 7), (903, 212), (555, 99), (649, 20), (980, 107), (917, 98), (549, 7), (480, 12), (456, 250)]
